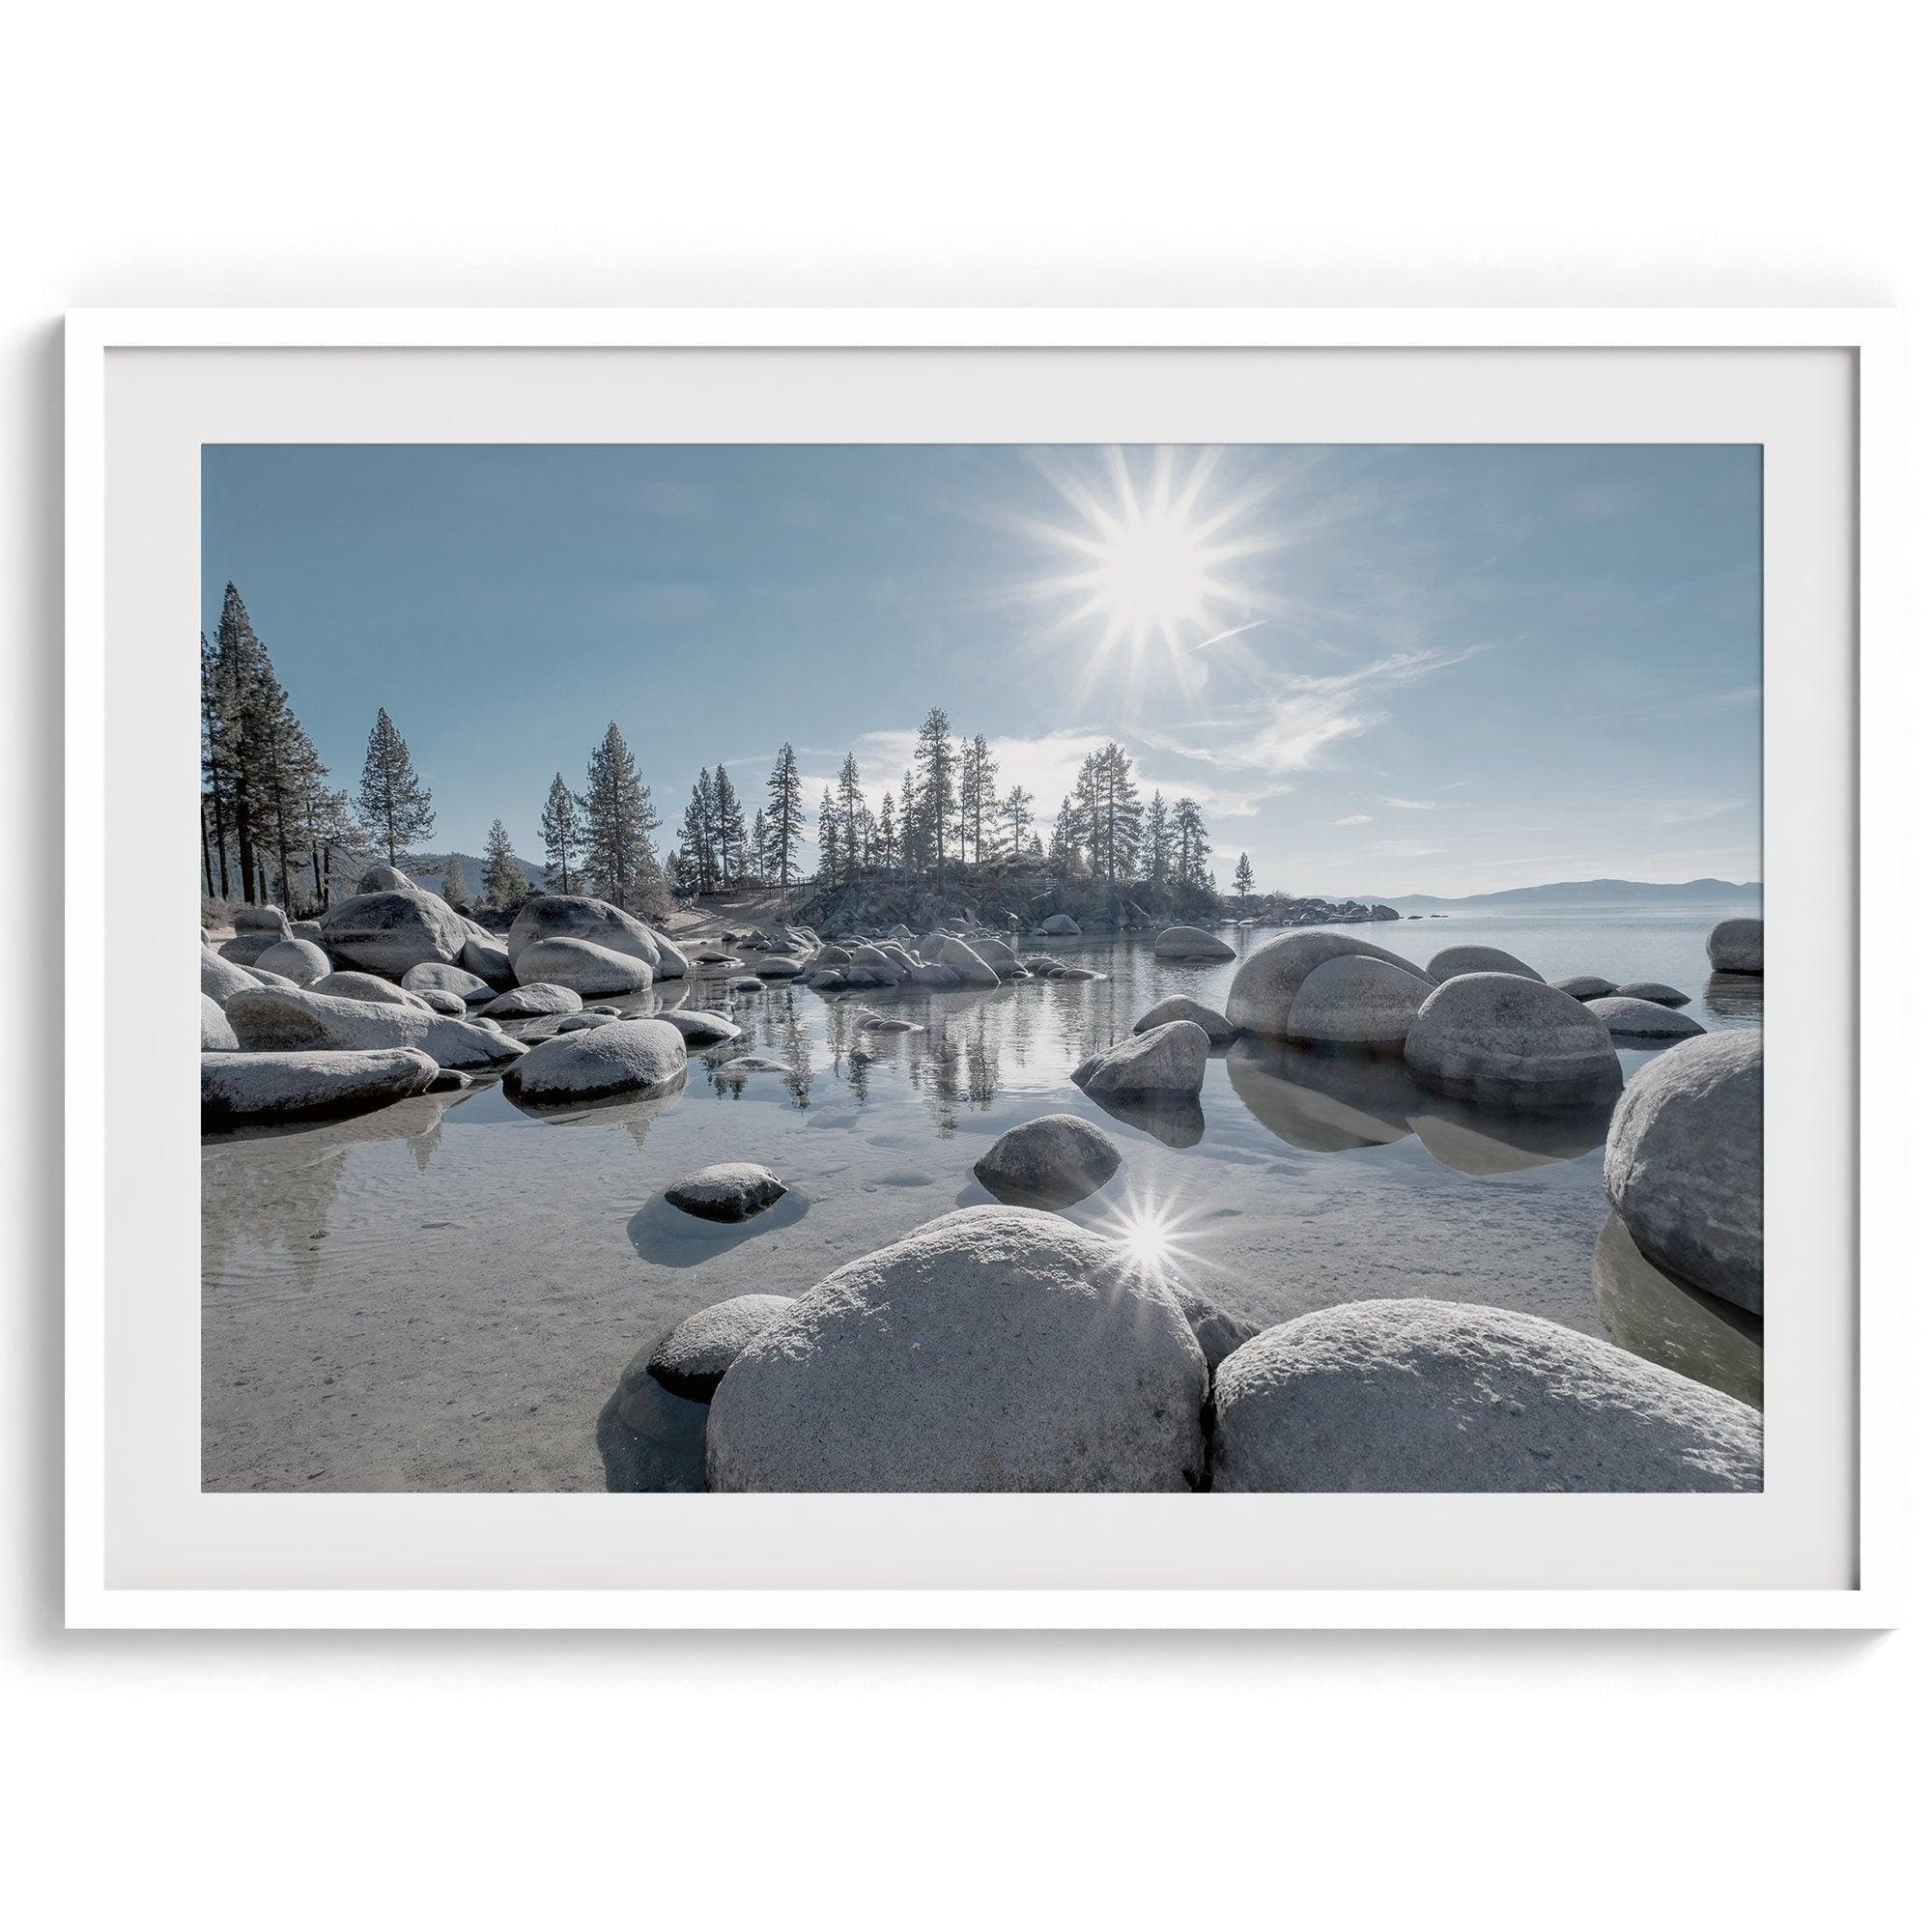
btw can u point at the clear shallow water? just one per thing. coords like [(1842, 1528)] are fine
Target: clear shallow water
[(448, 1294)]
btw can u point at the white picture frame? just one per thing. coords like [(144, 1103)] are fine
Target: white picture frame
[(1870, 769)]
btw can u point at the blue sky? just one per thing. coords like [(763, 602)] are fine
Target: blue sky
[(1380, 669)]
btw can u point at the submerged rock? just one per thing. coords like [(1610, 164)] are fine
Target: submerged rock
[(1179, 1007), (390, 931), (1631, 1017), (1666, 1320), (1439, 1397), (217, 1035), (237, 1088), (692, 1359), (629, 1057), (1655, 991), (1051, 1162), (1586, 986), (589, 970), (1266, 981), (1736, 946), (293, 1020), (1509, 1041), (996, 1349), (1357, 1001), (1165, 1062), (532, 1002), (1190, 942), (727, 1190), (300, 961), (1684, 1164)]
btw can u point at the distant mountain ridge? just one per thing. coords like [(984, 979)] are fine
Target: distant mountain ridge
[(1592, 892), (429, 869)]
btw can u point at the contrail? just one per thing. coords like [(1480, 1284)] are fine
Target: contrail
[(1221, 637)]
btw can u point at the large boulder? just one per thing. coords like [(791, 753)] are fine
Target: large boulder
[(237, 1087), (1509, 1041), (486, 957), (246, 948), (1684, 1164), (692, 1359), (1190, 942), (886, 971), (1000, 957), (1167, 1063), (222, 978), (1266, 982), (533, 1002), (433, 976), (366, 987), (592, 971), (1179, 1007), (1051, 1162), (1655, 991), (570, 915), (268, 919), (1453, 960), (1439, 1397), (271, 1019), (699, 1026), (1357, 1001), (1736, 946), (1642, 1019), (930, 973), (972, 969), (1586, 986), (727, 1190), (673, 963), (633, 1057), (390, 931), (1060, 924), (996, 1349), (385, 879), (217, 1035), (1218, 1331), (299, 959), (778, 966)]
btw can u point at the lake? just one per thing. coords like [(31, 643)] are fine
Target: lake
[(448, 1294)]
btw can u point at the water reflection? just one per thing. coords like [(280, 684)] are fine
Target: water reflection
[(1735, 995), (1668, 1322), (649, 1439), (1490, 1140), (633, 1111), (1175, 1122), (1325, 1103), (669, 1235)]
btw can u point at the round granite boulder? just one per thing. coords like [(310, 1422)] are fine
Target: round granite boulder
[(699, 1026), (1736, 946), (1051, 1162), (1190, 942), (961, 959), (1179, 1007), (1061, 925), (728, 1190), (217, 1035), (486, 956), (390, 931), (1439, 1397), (1164, 1062), (1266, 981), (533, 1002), (366, 987), (591, 971), (435, 975), (439, 1001), (633, 1057), (1453, 960), (222, 978), (1511, 1042), (276, 1019), (1636, 1018), (692, 1359), (996, 1349), (246, 948), (1355, 1000), (268, 919), (240, 1088), (1653, 990), (777, 966), (571, 915), (299, 959), (1586, 986), (1684, 1164), (384, 879)]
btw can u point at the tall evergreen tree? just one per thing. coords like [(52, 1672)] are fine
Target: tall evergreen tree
[(886, 846), (1244, 878), (562, 834), (730, 827), (620, 863), (505, 884), (851, 818), (784, 818), (911, 854), (754, 868), (979, 802), (394, 804), (1159, 841), (936, 764), (1016, 819), (455, 886), (700, 834), (831, 842), (1190, 846), (1062, 854)]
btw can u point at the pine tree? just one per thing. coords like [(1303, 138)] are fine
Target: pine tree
[(455, 888), (1064, 853), (851, 819), (620, 864), (505, 884), (730, 828), (831, 854), (1116, 825), (886, 845), (935, 760), (755, 865), (700, 834), (979, 802), (562, 834), (393, 802), (912, 855), (1244, 878), (784, 818), (1159, 856), (1190, 846)]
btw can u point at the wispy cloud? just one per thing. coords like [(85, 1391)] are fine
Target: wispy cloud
[(1356, 818), (1685, 810), (1415, 803)]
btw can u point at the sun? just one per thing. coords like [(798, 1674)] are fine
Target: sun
[(1151, 552)]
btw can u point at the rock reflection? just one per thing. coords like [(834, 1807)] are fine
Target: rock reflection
[(667, 1234), (1735, 995), (651, 1440), (1493, 1140), (633, 1111), (1324, 1103), (1668, 1322), (1175, 1122)]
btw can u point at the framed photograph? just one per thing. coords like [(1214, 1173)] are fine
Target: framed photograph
[(983, 969)]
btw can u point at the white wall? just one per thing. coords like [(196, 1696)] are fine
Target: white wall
[(197, 154)]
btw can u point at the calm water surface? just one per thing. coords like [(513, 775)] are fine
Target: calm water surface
[(452, 1293)]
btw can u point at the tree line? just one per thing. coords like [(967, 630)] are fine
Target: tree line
[(274, 829)]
